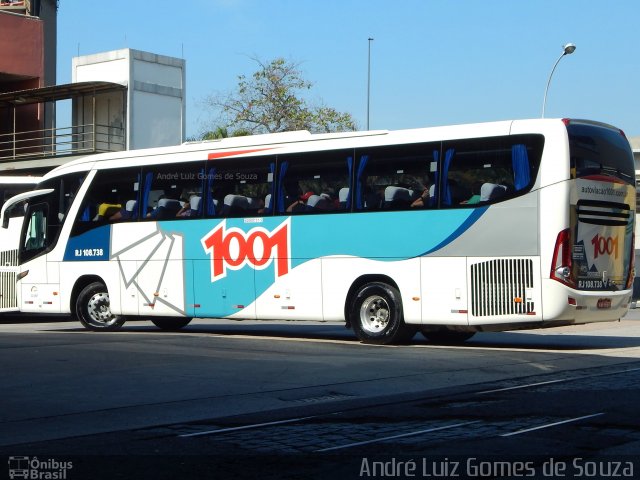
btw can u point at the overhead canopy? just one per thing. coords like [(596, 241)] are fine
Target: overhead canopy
[(57, 92)]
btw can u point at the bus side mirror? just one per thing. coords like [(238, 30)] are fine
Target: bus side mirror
[(5, 220)]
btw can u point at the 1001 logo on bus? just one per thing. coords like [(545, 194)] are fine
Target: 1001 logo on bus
[(604, 246), (234, 249)]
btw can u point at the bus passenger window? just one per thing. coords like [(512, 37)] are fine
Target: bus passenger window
[(314, 183), (494, 169), (239, 187), (170, 189), (395, 178), (111, 197)]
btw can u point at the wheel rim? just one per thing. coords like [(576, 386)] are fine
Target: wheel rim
[(375, 314), (99, 310)]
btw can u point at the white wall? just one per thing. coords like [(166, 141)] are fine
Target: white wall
[(155, 103)]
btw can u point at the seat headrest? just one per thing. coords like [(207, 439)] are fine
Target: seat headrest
[(491, 191), (313, 200), (169, 203), (194, 202), (392, 193), (240, 201)]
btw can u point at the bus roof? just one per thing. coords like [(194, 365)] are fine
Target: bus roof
[(253, 144)]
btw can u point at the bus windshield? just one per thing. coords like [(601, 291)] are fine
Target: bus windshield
[(599, 150)]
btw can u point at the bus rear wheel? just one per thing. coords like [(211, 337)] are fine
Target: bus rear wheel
[(93, 309), (447, 337), (170, 324), (376, 315)]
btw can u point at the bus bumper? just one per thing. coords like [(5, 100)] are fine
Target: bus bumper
[(560, 302)]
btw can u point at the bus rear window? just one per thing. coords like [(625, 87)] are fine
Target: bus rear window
[(599, 150)]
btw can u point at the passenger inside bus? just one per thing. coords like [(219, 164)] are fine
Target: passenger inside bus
[(319, 203), (397, 198), (106, 210), (128, 212), (475, 197), (167, 208), (190, 208), (423, 200), (491, 191), (300, 205)]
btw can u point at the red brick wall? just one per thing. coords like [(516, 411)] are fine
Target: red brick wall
[(22, 43)]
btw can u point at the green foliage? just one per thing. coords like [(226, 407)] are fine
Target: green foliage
[(216, 134), (271, 101)]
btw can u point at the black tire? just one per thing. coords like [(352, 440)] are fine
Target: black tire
[(93, 309), (376, 315), (170, 324), (447, 337)]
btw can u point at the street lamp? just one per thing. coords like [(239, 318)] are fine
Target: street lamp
[(369, 81), (568, 49)]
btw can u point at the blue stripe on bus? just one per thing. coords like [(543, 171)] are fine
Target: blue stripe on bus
[(411, 233), (475, 215), (92, 245), (365, 235)]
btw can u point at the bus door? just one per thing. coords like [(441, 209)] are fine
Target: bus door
[(38, 235)]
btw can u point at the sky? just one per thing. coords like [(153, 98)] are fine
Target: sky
[(433, 62)]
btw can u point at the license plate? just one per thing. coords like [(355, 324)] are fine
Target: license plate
[(604, 303)]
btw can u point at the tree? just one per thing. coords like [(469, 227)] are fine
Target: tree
[(269, 101), (216, 134)]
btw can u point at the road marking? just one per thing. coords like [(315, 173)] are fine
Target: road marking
[(245, 427), (570, 379), (518, 432), (393, 437)]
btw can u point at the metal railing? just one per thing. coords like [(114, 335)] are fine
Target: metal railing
[(52, 142)]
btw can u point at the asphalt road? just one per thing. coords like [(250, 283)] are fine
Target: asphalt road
[(290, 400)]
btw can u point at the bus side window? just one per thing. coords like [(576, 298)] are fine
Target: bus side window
[(169, 189), (493, 169), (111, 197), (395, 178), (312, 183), (241, 187)]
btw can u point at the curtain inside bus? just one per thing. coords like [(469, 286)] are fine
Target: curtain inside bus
[(360, 184), (520, 162)]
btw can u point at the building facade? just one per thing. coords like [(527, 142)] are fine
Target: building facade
[(28, 61)]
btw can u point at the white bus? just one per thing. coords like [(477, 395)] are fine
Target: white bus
[(9, 236), (446, 230)]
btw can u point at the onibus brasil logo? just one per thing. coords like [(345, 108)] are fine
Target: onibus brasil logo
[(232, 248), (40, 469)]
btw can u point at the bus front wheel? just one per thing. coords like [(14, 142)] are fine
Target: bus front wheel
[(376, 315), (93, 309)]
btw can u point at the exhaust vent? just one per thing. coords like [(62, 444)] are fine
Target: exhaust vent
[(499, 287)]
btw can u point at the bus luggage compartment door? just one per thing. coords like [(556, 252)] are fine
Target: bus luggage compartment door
[(444, 291)]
